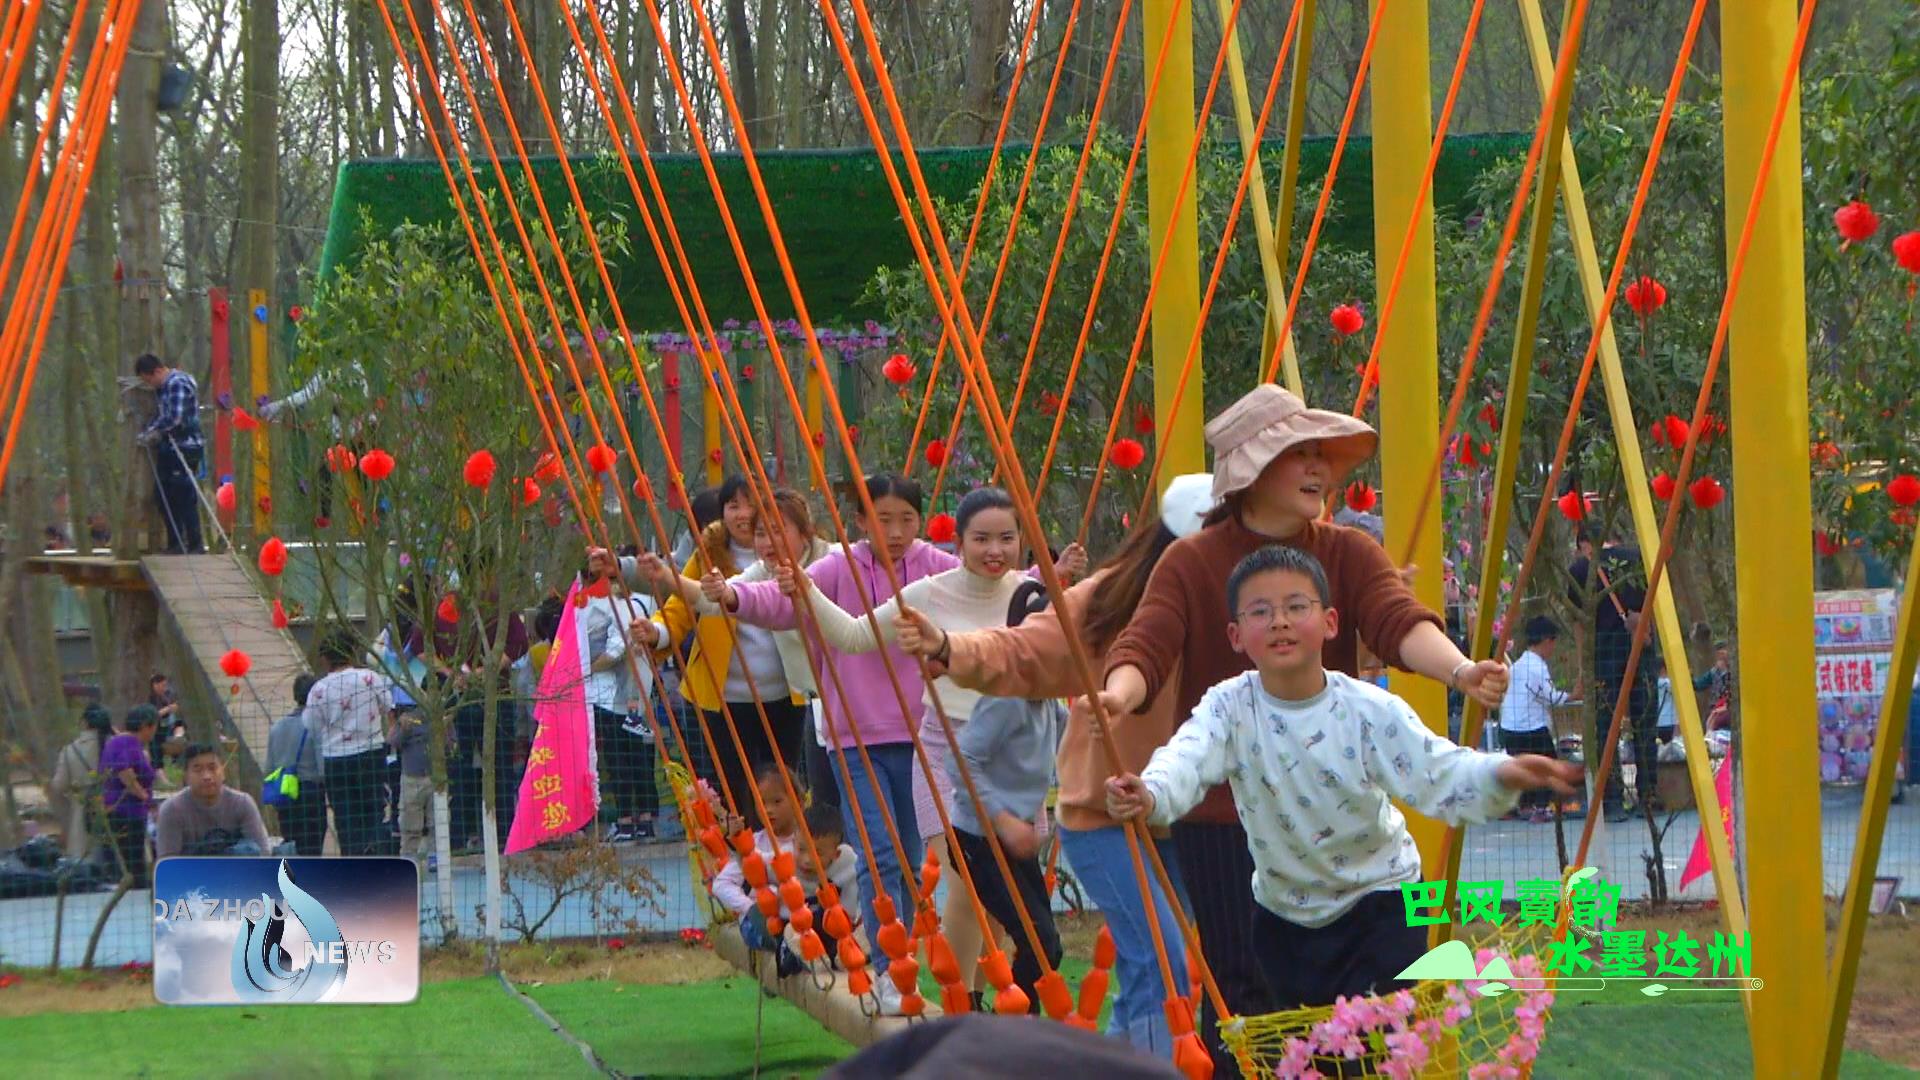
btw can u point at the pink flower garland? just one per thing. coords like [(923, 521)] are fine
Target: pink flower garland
[(1409, 1042)]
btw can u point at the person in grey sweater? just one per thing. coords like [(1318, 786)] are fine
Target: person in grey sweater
[(1008, 747), (292, 747)]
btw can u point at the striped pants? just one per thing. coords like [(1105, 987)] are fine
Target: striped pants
[(1218, 870)]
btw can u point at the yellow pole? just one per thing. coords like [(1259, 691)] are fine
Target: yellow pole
[(1176, 306), (1290, 166), (257, 370), (1257, 190), (1889, 741), (1772, 519), (813, 406), (1409, 368), (1646, 523)]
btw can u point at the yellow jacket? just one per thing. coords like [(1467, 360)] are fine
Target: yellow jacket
[(705, 680)]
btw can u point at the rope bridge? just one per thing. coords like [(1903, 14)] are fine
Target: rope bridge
[(506, 230)]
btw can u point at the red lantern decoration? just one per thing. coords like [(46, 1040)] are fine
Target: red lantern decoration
[(376, 465), (1664, 486), (244, 420), (1904, 489), (898, 369), (1463, 449), (1706, 492), (937, 453), (1142, 420), (1856, 221), (941, 529), (479, 469), (225, 498), (1906, 251), (279, 615), (340, 459), (1347, 320), (273, 557), (1361, 497), (1825, 454), (236, 664), (600, 457), (447, 611), (296, 313), (1049, 403), (529, 492), (548, 469), (1128, 454), (1646, 296), (1490, 415), (1903, 517), (1573, 506), (1677, 431)]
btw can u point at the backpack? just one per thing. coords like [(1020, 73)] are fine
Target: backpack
[(282, 786)]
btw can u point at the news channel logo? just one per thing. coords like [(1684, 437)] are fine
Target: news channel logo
[(286, 931)]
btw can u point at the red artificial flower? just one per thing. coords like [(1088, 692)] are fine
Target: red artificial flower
[(1903, 517), (941, 529), (1646, 296), (244, 420), (1049, 402), (616, 944), (1573, 506), (1490, 415), (1361, 497), (1347, 320), (279, 614), (1706, 492), (448, 611), (265, 502), (898, 369), (1825, 544), (529, 492), (1825, 454), (296, 313), (9, 980), (746, 372), (1711, 428), (340, 459), (1128, 454), (716, 455), (600, 457), (1663, 487), (820, 439), (1906, 250), (937, 453), (1856, 221), (641, 489), (376, 465), (551, 514), (224, 497), (1677, 431), (321, 521), (1904, 489), (549, 468), (1142, 420), (273, 557), (479, 469), (1463, 450), (853, 432), (236, 664)]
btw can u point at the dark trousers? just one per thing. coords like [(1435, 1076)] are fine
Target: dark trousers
[(179, 502), (1642, 724), (790, 724), (822, 783), (1539, 741), (991, 886), (1356, 954), (625, 761), (354, 793), (465, 780), (1218, 870), (129, 837), (304, 820)]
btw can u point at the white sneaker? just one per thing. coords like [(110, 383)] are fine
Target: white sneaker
[(888, 994)]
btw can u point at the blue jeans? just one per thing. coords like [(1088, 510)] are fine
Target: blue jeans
[(891, 779), (1101, 861)]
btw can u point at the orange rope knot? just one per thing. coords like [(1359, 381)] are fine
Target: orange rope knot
[(1012, 1001), (1055, 999), (754, 868), (999, 971), (811, 947), (905, 973), (792, 893), (768, 903), (784, 865), (955, 999), (941, 961), (893, 940)]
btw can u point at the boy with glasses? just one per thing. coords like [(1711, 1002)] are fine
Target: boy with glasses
[(1314, 757)]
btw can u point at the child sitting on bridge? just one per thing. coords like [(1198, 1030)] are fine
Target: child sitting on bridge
[(1313, 757), (783, 818)]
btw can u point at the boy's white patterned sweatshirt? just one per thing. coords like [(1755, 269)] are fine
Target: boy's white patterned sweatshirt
[(1313, 782)]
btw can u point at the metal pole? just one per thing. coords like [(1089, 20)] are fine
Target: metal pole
[(1177, 305)]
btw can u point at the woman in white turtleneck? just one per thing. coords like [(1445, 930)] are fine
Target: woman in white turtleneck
[(972, 596)]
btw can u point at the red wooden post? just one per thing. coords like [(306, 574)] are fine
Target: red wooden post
[(670, 379), (220, 351)]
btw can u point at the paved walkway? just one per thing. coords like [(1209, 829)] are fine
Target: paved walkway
[(1506, 850)]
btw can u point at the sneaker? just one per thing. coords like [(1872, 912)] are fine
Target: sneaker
[(1541, 816), (786, 962), (888, 994), (644, 830), (1616, 813)]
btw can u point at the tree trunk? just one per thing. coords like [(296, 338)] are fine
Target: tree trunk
[(766, 75), (135, 615), (746, 85), (986, 44)]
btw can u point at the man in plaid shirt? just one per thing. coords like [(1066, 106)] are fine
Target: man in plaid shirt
[(173, 440)]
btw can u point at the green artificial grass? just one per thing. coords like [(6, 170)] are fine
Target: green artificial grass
[(701, 1029), (459, 1029)]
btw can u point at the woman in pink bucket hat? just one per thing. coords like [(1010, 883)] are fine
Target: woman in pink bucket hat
[(1275, 463)]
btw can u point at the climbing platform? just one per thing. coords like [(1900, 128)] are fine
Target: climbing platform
[(833, 1007), (211, 605)]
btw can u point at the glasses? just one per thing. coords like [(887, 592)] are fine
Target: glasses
[(1262, 615)]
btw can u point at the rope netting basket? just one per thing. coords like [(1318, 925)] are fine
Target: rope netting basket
[(1486, 1028)]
